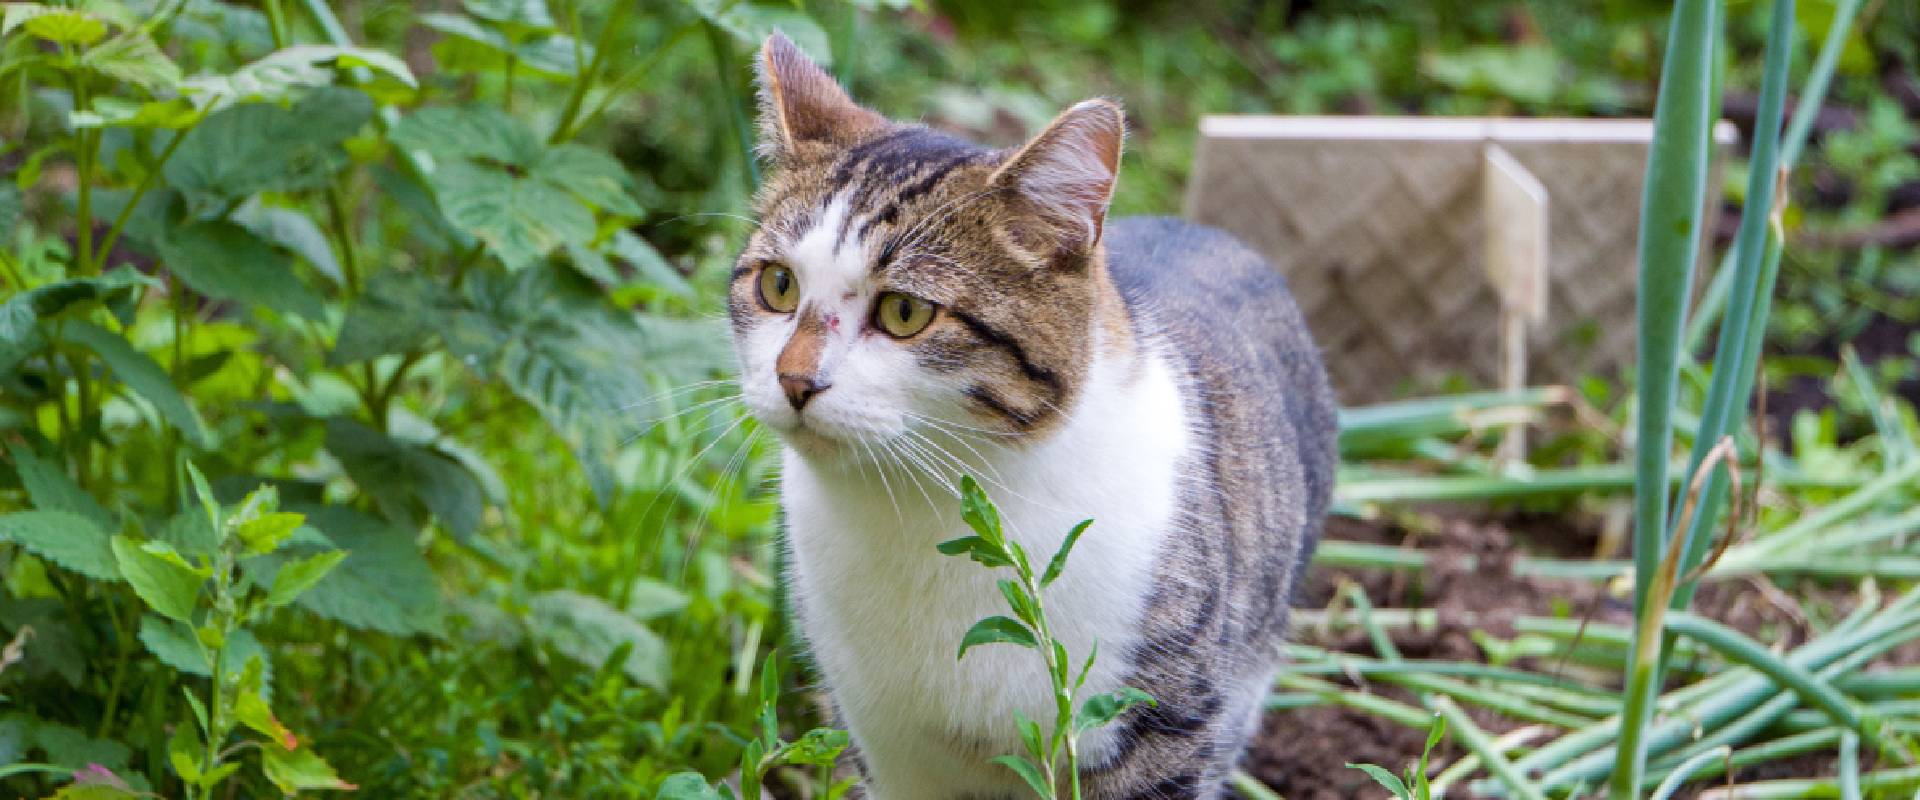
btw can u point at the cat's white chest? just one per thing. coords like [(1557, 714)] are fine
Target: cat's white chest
[(883, 611)]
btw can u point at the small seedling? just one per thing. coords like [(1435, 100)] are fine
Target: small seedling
[(1048, 754), (817, 748), (1414, 785)]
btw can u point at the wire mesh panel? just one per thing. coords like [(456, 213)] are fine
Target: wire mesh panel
[(1379, 227)]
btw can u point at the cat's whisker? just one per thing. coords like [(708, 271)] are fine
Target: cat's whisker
[(881, 468), (713, 407), (743, 218), (733, 465), (935, 469), (677, 391), (912, 473)]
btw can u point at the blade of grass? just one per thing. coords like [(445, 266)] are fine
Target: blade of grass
[(1681, 774), (1477, 742), (1849, 766)]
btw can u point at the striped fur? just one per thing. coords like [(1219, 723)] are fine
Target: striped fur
[(1150, 374)]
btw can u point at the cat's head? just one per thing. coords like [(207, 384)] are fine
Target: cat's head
[(902, 279)]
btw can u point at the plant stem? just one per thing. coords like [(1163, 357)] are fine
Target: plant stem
[(140, 190), (343, 232), (583, 82)]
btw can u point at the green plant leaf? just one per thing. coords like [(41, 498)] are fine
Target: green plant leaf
[(66, 746), (520, 218), (293, 230), (1101, 709), (592, 175), (384, 584), (51, 490), (1019, 601), (284, 72), (255, 147), (299, 770), (252, 711), (1059, 562), (1028, 771), (65, 538), (751, 24), (686, 786), (588, 630), (166, 586), (176, 646), (140, 373), (397, 311), (978, 549), (263, 534), (398, 474), (817, 748), (112, 112), (979, 512), (133, 57), (994, 630), (296, 577), (57, 25), (225, 261), (1385, 778), (470, 132)]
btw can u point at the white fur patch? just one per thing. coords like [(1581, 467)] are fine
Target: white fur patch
[(884, 611)]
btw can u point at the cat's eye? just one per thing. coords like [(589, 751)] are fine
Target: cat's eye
[(902, 315), (779, 290)]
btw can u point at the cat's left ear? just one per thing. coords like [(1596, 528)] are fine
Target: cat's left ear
[(1068, 171), (801, 103)]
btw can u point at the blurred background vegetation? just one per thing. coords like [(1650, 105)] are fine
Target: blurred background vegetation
[(564, 577)]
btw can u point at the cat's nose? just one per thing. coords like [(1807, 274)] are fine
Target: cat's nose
[(801, 388)]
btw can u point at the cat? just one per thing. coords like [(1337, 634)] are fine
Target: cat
[(914, 307)]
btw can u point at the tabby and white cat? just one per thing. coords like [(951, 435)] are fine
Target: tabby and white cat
[(914, 307)]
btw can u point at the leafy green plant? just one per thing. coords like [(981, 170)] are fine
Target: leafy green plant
[(818, 748), (1048, 753), (1414, 785)]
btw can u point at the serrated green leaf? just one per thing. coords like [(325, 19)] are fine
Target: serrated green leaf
[(751, 24), (481, 132), (133, 57), (384, 584), (299, 770), (1101, 709), (252, 711), (686, 786), (175, 645), (245, 149), (817, 748), (994, 630), (223, 260), (50, 489), (590, 174), (65, 538), (520, 219), (399, 474), (648, 263), (284, 72), (588, 630), (1385, 778), (1059, 562), (61, 26), (1028, 772), (66, 746), (398, 310), (165, 586), (298, 576), (263, 534), (140, 373)]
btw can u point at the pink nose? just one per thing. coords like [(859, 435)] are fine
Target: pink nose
[(801, 388)]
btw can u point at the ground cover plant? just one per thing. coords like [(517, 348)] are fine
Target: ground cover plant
[(365, 427)]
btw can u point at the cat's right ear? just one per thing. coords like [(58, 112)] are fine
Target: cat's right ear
[(801, 104)]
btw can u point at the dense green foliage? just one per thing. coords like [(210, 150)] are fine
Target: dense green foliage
[(430, 299)]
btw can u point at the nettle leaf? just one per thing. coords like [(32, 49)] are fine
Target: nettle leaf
[(818, 747), (1101, 709), (255, 147), (591, 175), (288, 70), (164, 584), (648, 263), (397, 311), (140, 373), (133, 57), (295, 578), (383, 584), (298, 770), (52, 490), (65, 538), (223, 260), (751, 24), (993, 630), (57, 25), (293, 230), (520, 218), (174, 644), (398, 474), (479, 132), (686, 786), (589, 631)]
